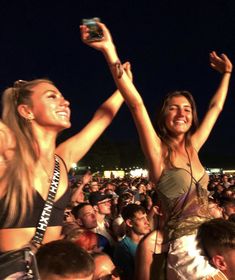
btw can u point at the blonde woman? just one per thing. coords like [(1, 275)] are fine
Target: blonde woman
[(34, 112)]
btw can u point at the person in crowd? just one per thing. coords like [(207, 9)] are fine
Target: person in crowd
[(137, 226), (228, 193), (218, 191), (93, 186), (217, 239), (86, 239), (64, 260), (84, 218), (101, 204), (78, 195), (225, 181), (110, 188), (214, 208), (228, 206), (231, 181), (33, 114), (118, 224), (104, 267), (172, 154)]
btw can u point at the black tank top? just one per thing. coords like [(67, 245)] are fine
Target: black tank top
[(32, 217)]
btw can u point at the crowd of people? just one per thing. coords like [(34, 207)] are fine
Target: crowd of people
[(176, 224), (116, 221)]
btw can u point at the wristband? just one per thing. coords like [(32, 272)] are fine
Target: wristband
[(118, 68)]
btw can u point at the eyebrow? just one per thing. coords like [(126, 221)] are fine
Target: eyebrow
[(177, 105), (52, 91)]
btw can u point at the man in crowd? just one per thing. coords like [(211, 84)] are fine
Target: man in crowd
[(217, 238), (137, 226), (102, 207), (62, 260), (228, 206), (82, 216)]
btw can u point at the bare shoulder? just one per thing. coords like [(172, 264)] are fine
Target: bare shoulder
[(148, 242)]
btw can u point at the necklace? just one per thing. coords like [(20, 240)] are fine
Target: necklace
[(49, 176), (189, 161)]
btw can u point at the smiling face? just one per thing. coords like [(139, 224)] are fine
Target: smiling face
[(48, 107), (178, 115)]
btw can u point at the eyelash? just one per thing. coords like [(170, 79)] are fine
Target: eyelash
[(52, 96), (174, 108)]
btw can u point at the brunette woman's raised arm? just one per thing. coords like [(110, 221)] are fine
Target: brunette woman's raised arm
[(150, 142), (223, 65)]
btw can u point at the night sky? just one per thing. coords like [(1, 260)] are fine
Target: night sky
[(167, 43)]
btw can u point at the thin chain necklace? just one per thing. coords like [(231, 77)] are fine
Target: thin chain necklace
[(49, 176)]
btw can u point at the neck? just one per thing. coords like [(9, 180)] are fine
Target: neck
[(134, 236), (178, 143), (100, 217), (46, 140)]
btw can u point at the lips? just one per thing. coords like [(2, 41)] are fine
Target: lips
[(180, 122), (64, 114)]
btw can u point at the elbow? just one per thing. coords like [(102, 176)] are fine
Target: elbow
[(217, 107), (104, 115), (136, 106)]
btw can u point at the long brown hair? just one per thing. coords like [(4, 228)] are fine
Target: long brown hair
[(18, 190), (160, 122)]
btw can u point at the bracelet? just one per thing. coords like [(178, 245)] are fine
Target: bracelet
[(118, 68), (227, 72)]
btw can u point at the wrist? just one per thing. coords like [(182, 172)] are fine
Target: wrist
[(227, 72), (110, 54), (116, 68)]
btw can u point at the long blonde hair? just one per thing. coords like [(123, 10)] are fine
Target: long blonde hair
[(18, 192)]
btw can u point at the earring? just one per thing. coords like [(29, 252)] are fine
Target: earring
[(29, 119)]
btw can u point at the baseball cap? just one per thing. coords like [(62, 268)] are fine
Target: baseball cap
[(96, 197)]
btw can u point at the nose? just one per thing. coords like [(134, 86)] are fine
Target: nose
[(93, 216), (64, 102), (146, 221), (180, 112)]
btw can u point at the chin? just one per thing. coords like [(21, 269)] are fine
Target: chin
[(63, 127), (66, 125)]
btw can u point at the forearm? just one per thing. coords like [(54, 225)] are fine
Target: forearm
[(218, 99), (109, 108), (123, 82)]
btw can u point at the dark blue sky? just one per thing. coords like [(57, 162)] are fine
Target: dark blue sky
[(167, 43)]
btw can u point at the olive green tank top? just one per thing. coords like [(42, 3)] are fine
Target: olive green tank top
[(184, 200)]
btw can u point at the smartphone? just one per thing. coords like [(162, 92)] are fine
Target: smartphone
[(95, 31)]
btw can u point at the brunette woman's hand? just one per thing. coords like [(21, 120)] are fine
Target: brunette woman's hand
[(103, 44), (220, 63)]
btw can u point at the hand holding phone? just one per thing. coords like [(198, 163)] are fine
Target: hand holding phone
[(95, 32)]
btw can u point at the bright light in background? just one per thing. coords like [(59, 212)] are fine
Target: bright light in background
[(139, 172), (115, 173)]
